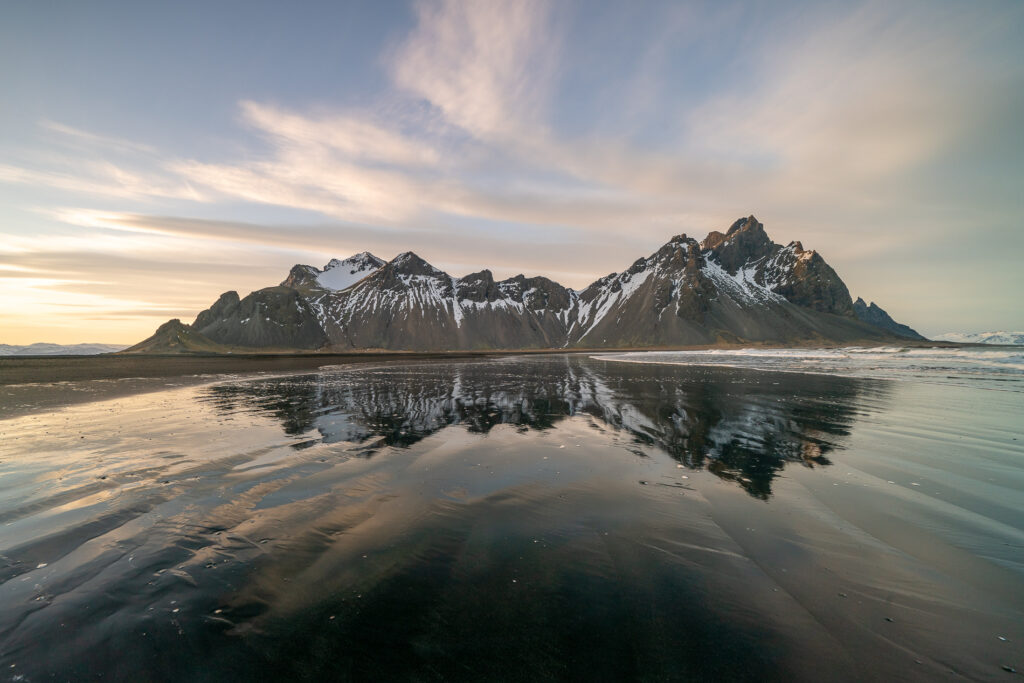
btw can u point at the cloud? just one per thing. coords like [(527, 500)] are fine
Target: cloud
[(352, 137), (89, 177), (94, 141), (155, 244), (859, 99), (485, 65), (826, 122)]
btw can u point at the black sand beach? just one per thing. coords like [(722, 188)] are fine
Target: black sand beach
[(30, 383), (513, 518)]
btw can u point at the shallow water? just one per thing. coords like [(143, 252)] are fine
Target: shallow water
[(557, 517), (998, 368)]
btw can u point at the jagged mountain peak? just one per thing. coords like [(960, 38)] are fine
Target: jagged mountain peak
[(409, 262), (745, 224), (680, 250), (225, 306), (363, 259), (302, 275), (338, 274), (479, 286), (745, 241), (406, 270), (748, 230), (484, 275), (341, 274)]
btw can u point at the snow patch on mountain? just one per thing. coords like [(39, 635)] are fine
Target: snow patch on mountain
[(342, 274), (615, 289), (1001, 337), (741, 287)]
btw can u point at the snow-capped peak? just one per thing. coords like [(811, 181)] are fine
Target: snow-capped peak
[(342, 274)]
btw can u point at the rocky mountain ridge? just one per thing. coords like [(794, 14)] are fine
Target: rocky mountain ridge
[(876, 316), (735, 287)]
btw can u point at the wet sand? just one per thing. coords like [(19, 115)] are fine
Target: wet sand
[(544, 518), (30, 383)]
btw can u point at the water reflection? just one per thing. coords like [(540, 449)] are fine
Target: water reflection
[(742, 426), (263, 530)]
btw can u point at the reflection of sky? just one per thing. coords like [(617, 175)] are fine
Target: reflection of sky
[(158, 156)]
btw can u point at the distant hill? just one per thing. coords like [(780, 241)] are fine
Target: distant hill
[(734, 287), (176, 337), (46, 349), (983, 337)]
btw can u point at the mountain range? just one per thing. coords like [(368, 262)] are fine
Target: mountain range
[(48, 349), (1001, 337), (733, 287)]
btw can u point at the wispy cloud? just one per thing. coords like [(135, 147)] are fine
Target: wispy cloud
[(352, 137), (92, 140), (102, 178), (486, 65)]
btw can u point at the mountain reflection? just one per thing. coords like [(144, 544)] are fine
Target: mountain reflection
[(743, 426)]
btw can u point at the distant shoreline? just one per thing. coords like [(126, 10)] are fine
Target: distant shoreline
[(50, 368)]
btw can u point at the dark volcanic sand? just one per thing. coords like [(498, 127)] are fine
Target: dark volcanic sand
[(550, 517), (28, 384)]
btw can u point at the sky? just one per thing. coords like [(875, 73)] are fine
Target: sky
[(154, 155)]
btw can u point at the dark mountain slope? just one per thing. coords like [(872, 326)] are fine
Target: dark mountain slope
[(735, 287), (873, 315)]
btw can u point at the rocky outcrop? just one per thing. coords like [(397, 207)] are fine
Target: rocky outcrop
[(737, 286), (225, 308), (175, 336), (874, 315), (276, 317), (802, 277)]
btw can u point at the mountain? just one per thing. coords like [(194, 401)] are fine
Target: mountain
[(734, 287), (1012, 338), (879, 318), (47, 349), (337, 274), (175, 336)]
